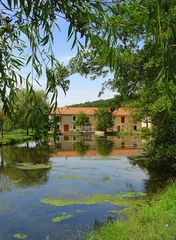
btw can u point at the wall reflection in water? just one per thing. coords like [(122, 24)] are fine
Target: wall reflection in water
[(103, 146)]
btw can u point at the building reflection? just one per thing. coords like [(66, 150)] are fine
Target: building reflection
[(96, 145)]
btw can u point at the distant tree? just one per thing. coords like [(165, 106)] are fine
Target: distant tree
[(114, 102), (104, 119), (31, 111), (82, 119)]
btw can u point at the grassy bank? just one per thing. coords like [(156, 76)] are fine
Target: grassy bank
[(15, 136), (156, 221)]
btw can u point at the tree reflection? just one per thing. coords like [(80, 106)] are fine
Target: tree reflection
[(81, 148), (104, 146), (161, 171), (10, 156)]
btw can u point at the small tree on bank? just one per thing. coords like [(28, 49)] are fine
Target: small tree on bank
[(82, 120), (104, 119)]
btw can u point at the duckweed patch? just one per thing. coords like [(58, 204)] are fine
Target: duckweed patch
[(20, 236), (68, 177), (80, 211), (116, 199), (30, 166), (61, 218), (106, 178)]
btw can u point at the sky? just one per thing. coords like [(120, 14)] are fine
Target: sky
[(81, 89)]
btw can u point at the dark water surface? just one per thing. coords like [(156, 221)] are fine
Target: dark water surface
[(29, 174)]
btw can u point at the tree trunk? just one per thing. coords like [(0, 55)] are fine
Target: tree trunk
[(2, 133), (2, 159)]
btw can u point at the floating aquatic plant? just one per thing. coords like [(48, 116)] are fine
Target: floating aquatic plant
[(30, 166), (20, 236), (115, 199), (68, 177), (61, 218), (106, 178)]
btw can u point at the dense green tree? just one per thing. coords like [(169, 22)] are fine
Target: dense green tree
[(142, 63), (81, 120), (104, 119)]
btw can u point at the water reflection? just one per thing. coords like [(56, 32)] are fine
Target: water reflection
[(90, 145), (71, 178), (104, 146), (81, 148), (12, 156), (160, 171)]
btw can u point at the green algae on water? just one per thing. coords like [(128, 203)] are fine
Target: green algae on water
[(20, 236), (115, 199), (30, 166), (80, 211), (106, 178), (68, 177), (61, 218)]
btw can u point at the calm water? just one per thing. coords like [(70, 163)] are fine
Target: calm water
[(79, 169)]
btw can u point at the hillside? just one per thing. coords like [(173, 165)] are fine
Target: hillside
[(100, 103)]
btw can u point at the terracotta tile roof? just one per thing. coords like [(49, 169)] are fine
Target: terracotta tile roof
[(75, 110), (121, 112), (87, 111)]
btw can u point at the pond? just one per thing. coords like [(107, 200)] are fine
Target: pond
[(62, 190)]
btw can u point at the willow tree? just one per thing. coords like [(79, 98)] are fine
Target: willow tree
[(26, 38), (31, 112)]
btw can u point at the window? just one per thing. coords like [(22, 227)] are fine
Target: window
[(74, 126), (122, 119), (58, 118), (135, 144), (74, 138), (122, 144), (87, 128), (135, 128), (74, 118), (86, 137), (66, 138)]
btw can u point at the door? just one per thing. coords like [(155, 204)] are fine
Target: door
[(66, 128)]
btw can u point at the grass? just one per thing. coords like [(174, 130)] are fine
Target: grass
[(15, 136), (156, 221)]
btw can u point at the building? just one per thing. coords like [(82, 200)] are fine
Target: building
[(65, 118), (124, 121)]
